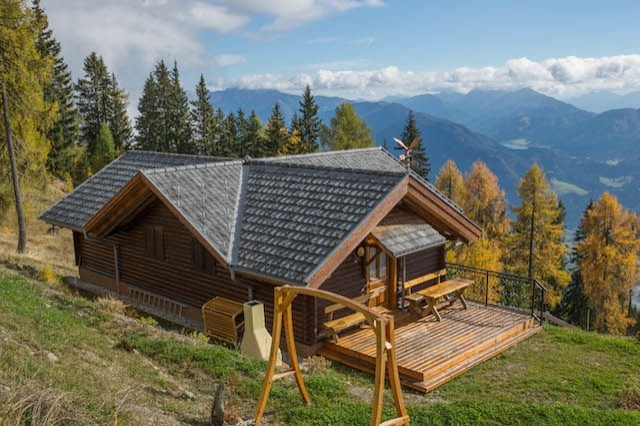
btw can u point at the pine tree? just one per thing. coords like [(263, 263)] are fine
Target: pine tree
[(94, 92), (148, 120), (228, 137), (162, 107), (276, 132), (536, 247), (574, 303), (104, 152), (63, 135), (203, 120), (309, 122), (178, 116), (346, 130), (451, 183), (420, 163), (608, 262), (242, 145), (27, 115), (119, 123), (255, 141)]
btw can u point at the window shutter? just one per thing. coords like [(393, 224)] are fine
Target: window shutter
[(148, 241), (158, 241)]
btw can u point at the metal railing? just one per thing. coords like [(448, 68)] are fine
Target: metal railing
[(517, 292)]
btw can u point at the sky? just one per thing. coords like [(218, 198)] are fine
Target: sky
[(360, 49)]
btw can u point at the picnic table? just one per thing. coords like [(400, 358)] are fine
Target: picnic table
[(450, 290)]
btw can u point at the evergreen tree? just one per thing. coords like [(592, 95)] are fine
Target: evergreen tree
[(178, 115), (255, 140), (24, 77), (451, 183), (574, 303), (119, 123), (385, 144), (203, 120), (608, 262), (94, 93), (104, 152), (420, 163), (149, 137), (346, 130), (63, 135), (308, 125), (536, 247), (163, 93), (276, 132), (227, 144), (242, 145)]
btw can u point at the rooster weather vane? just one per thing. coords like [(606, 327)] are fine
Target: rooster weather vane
[(408, 150)]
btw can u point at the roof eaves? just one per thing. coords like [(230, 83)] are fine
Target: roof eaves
[(265, 276)]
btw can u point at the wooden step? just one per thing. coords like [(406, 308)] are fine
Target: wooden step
[(444, 376)]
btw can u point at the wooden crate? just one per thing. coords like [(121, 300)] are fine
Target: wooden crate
[(223, 319)]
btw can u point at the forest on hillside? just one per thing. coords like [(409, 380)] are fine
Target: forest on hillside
[(57, 128)]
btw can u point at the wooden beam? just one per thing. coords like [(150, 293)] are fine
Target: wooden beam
[(356, 237)]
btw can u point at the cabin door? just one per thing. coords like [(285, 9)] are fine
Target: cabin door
[(377, 274)]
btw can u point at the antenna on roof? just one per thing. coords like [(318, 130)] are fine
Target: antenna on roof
[(408, 150)]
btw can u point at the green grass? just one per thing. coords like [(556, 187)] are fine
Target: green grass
[(564, 188), (557, 377)]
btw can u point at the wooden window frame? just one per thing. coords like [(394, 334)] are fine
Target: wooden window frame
[(154, 242), (201, 259)]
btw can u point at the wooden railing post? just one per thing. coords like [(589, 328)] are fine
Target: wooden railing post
[(486, 290)]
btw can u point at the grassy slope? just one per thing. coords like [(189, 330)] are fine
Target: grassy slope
[(556, 377)]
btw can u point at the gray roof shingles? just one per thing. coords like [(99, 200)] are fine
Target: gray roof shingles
[(206, 195), (403, 232), (78, 207), (293, 216)]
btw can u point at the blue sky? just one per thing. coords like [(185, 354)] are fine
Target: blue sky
[(361, 48)]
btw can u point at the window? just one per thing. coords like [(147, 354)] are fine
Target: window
[(201, 259), (154, 241), (378, 267)]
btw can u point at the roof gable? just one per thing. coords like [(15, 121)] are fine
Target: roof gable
[(78, 207)]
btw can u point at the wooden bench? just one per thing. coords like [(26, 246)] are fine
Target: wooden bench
[(432, 295), (335, 326), (221, 319)]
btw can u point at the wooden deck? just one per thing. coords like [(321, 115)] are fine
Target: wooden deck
[(429, 352)]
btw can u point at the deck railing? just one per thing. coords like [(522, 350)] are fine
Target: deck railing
[(517, 292)]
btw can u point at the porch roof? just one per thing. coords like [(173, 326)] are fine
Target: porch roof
[(403, 232)]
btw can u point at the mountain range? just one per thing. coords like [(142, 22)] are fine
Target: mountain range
[(584, 153)]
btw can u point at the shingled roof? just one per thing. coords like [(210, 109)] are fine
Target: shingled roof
[(78, 207), (279, 218), (293, 216), (403, 232)]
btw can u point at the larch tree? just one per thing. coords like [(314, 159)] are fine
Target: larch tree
[(483, 202), (203, 120), (451, 183), (346, 130), (276, 132), (63, 135), (27, 115), (608, 262), (294, 145), (420, 162), (536, 246), (105, 151)]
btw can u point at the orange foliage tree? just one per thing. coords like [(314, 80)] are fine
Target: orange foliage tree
[(608, 262)]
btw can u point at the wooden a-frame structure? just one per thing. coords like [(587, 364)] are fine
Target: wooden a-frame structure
[(385, 352)]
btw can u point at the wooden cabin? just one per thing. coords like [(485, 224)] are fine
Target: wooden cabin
[(171, 232)]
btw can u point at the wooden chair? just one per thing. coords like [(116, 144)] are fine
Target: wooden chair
[(335, 326)]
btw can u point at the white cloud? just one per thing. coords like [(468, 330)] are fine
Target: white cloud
[(561, 77)]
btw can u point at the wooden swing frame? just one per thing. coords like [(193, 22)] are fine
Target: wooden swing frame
[(386, 362)]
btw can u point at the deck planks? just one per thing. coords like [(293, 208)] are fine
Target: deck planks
[(429, 352)]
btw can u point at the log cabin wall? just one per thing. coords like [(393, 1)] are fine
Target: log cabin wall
[(424, 262), (175, 276)]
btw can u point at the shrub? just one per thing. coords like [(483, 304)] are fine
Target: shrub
[(111, 304), (48, 275), (149, 321)]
